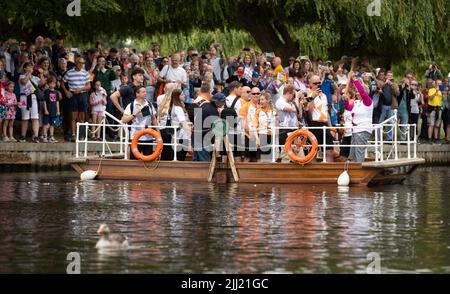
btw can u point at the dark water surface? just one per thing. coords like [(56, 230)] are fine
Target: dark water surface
[(206, 228)]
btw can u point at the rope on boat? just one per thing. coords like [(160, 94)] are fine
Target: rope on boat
[(154, 168), (99, 164), (95, 131), (347, 164), (114, 129)]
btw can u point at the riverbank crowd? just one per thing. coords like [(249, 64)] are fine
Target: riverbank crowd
[(48, 86)]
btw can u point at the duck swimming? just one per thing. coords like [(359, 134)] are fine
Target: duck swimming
[(110, 241)]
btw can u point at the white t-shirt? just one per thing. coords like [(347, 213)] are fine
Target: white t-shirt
[(97, 96), (348, 119), (115, 85), (251, 111), (28, 88), (362, 117), (237, 107), (178, 118), (174, 74), (415, 104), (287, 119), (9, 66), (159, 100), (216, 68), (140, 121), (343, 79), (266, 121), (320, 113), (198, 99)]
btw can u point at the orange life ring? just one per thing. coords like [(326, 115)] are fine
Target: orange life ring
[(159, 146), (307, 136)]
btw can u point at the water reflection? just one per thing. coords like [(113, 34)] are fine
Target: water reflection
[(178, 227)]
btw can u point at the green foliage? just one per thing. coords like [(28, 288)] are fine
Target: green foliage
[(232, 40), (406, 29)]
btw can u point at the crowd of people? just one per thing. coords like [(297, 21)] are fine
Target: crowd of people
[(53, 86)]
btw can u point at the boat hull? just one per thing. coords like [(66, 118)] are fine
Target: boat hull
[(273, 173)]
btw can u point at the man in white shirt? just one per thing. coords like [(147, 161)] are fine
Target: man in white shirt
[(174, 72), (140, 115), (288, 112)]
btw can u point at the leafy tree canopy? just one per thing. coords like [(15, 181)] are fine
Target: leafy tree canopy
[(406, 29)]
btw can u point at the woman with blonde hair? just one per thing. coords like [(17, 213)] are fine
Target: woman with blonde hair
[(164, 121), (263, 122)]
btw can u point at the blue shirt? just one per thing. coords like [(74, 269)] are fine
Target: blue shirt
[(327, 89), (51, 98), (76, 79)]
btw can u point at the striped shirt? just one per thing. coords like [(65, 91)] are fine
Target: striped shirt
[(76, 79)]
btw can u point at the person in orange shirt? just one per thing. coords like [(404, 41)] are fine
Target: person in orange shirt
[(318, 111), (263, 122), (247, 114)]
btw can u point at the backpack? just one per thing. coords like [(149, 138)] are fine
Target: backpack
[(132, 110), (191, 109), (229, 114)]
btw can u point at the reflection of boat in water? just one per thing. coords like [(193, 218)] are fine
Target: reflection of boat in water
[(380, 169)]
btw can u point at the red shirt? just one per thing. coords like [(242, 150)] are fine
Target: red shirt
[(425, 99)]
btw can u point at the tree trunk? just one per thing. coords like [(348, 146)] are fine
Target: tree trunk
[(271, 36)]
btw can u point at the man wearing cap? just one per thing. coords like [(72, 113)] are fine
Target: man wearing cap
[(255, 83), (219, 101)]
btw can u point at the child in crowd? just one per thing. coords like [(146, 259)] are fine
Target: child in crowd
[(347, 122), (2, 107), (10, 100), (51, 110), (98, 102)]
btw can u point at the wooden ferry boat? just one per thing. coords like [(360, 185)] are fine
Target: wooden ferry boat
[(381, 169), (361, 174)]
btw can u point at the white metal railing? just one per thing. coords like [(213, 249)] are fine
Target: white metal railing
[(124, 134), (377, 145)]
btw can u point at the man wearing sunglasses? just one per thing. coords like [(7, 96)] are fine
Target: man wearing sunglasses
[(319, 115)]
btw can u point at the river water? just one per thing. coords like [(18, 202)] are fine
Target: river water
[(207, 228)]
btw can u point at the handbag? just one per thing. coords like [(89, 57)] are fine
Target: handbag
[(38, 92), (161, 85), (169, 131)]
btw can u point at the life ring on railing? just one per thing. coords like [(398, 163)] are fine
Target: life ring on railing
[(299, 139), (159, 145)]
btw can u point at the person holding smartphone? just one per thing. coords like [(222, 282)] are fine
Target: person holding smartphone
[(140, 115), (319, 115)]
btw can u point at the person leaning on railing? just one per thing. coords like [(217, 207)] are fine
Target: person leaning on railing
[(362, 111)]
